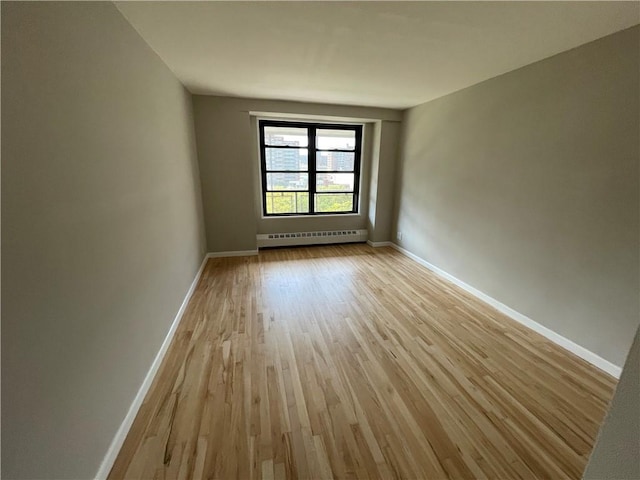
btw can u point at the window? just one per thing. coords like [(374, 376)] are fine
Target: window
[(309, 168)]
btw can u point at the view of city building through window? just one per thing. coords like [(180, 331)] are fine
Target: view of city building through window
[(301, 179)]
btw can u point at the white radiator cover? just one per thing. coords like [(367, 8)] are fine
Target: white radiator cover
[(310, 238)]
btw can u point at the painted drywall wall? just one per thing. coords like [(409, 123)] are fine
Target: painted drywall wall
[(372, 187), (224, 148), (384, 184), (526, 187), (102, 228), (226, 134), (615, 455)]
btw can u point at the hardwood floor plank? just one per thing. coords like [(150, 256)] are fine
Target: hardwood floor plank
[(351, 362)]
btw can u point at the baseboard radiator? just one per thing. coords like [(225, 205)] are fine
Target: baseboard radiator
[(266, 240)]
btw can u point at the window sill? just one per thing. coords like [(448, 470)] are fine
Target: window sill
[(338, 215)]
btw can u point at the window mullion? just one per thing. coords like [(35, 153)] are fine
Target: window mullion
[(312, 169)]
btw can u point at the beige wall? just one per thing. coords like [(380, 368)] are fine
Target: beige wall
[(526, 187), (229, 168), (615, 455), (383, 176), (101, 228)]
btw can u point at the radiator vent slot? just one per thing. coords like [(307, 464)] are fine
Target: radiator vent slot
[(312, 234), (311, 238)]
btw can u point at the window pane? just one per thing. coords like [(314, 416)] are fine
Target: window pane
[(287, 202), (287, 158), (287, 181), (341, 161), (331, 182), (341, 139), (286, 136), (334, 202)]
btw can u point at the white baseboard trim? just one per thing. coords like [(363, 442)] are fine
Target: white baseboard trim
[(556, 338), (236, 253), (379, 244), (121, 434)]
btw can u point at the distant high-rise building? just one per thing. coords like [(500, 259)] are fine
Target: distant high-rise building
[(335, 161), (288, 159), (342, 161)]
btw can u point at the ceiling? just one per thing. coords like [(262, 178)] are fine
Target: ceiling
[(385, 54)]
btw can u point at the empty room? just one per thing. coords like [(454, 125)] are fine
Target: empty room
[(320, 240)]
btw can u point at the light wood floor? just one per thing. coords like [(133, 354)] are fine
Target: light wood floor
[(350, 362)]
